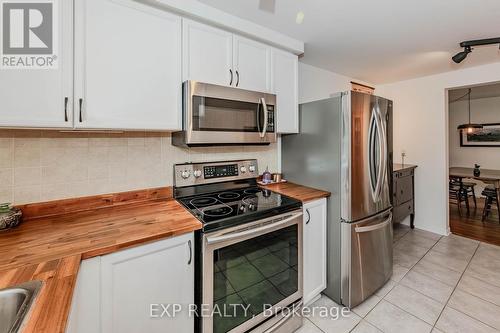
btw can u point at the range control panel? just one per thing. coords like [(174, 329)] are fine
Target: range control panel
[(189, 174), (217, 171)]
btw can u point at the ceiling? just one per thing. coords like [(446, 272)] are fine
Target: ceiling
[(486, 91), (379, 41)]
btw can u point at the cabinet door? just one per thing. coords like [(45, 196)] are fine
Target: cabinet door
[(285, 85), (133, 279), (207, 54), (314, 249), (252, 64), (128, 66), (40, 97), (85, 315)]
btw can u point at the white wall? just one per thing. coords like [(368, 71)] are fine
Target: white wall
[(483, 111), (421, 128), (316, 83)]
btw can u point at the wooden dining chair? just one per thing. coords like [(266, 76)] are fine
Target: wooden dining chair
[(458, 195), (469, 190), (491, 199)]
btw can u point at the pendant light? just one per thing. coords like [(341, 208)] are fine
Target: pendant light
[(470, 127)]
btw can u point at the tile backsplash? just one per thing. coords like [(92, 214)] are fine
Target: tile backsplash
[(49, 165)]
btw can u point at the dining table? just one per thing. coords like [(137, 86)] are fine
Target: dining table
[(488, 176)]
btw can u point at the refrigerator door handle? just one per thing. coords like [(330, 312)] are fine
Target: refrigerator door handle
[(383, 151), (375, 226), (371, 156), (380, 173)]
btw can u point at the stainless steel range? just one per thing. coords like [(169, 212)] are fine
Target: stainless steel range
[(249, 251)]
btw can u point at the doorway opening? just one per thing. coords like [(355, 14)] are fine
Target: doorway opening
[(474, 162)]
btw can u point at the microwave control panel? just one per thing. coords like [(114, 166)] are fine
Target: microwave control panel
[(270, 118)]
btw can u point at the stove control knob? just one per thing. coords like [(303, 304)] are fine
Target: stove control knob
[(197, 173), (243, 169), (185, 174), (251, 168)]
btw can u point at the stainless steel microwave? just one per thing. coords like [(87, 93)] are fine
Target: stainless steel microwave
[(218, 115)]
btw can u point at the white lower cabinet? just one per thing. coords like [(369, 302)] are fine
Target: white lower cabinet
[(124, 291), (314, 249)]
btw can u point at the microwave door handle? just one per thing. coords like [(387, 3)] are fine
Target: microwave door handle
[(258, 117), (266, 115)]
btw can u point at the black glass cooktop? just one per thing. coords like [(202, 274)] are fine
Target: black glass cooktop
[(235, 206)]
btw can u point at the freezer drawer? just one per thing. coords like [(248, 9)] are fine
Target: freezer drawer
[(367, 257)]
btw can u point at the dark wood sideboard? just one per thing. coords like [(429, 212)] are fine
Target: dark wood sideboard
[(404, 193)]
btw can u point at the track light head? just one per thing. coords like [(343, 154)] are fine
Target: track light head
[(460, 56)]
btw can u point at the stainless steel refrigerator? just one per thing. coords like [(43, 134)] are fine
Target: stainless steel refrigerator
[(345, 146)]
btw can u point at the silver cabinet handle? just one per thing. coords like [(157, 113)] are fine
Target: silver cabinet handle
[(237, 78), (267, 227), (231, 81), (375, 226), (80, 103), (66, 99), (266, 115), (308, 216), (190, 253)]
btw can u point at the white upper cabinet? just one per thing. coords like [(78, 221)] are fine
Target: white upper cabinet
[(207, 54), (285, 86), (252, 64), (127, 66), (40, 97)]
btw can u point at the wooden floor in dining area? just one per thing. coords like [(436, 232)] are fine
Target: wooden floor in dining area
[(472, 227)]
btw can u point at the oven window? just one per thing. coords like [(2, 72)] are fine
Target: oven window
[(254, 273), (214, 114)]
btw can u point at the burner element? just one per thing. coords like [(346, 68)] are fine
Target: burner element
[(252, 190), (217, 211), (203, 201), (228, 195)]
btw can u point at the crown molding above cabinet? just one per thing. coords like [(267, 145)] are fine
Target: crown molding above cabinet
[(201, 12)]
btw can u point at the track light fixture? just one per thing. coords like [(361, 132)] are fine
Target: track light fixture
[(467, 45)]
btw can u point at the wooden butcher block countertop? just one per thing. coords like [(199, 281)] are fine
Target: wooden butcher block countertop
[(50, 248), (299, 192), (55, 236)]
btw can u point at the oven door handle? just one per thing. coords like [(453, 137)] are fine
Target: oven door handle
[(265, 228)]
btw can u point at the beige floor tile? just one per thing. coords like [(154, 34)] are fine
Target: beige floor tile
[(428, 286), (365, 327), (389, 318), (453, 321), (488, 251), (426, 234), (404, 259), (365, 307), (459, 240), (329, 324), (418, 240), (479, 288), (417, 304), (308, 327), (384, 290), (410, 248), (399, 231), (438, 272), (435, 330), (455, 251), (398, 272), (438, 258), (486, 269), (476, 308)]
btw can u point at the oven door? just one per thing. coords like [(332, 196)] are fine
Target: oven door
[(256, 267), (223, 115)]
